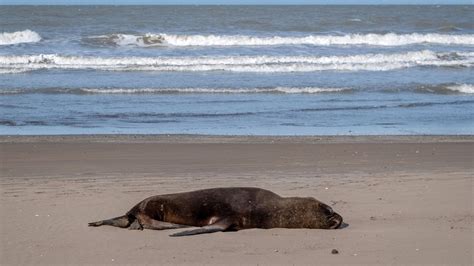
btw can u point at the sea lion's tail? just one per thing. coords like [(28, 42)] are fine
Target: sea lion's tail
[(121, 221)]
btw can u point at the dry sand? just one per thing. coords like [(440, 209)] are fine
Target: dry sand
[(406, 200)]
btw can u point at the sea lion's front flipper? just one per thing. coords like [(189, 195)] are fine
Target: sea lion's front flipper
[(218, 226)]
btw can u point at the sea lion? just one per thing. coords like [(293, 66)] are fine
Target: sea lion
[(226, 209)]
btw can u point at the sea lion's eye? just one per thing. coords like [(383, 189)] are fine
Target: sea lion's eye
[(327, 210)]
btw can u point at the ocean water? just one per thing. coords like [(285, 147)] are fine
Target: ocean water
[(237, 70)]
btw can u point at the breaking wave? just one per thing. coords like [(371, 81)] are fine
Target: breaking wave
[(450, 88), (463, 88), (26, 36), (283, 90), (269, 64), (389, 39)]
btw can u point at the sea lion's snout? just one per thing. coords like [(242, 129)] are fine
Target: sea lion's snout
[(335, 221), (331, 219)]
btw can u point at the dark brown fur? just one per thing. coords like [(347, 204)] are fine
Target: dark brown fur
[(226, 209)]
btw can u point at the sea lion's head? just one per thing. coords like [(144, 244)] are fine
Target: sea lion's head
[(325, 216)]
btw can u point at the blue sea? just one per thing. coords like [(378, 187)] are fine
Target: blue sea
[(237, 70)]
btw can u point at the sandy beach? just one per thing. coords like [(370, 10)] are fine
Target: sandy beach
[(406, 200)]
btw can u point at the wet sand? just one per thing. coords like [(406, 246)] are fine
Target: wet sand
[(406, 200)]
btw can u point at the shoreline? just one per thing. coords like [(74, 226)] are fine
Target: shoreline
[(251, 139)]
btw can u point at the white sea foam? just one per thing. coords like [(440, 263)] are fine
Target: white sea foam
[(12, 71), (283, 90), (463, 88), (269, 64), (289, 90), (389, 39), (26, 36)]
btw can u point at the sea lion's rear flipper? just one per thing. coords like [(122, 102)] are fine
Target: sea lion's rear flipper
[(135, 225), (159, 225), (121, 221), (218, 226)]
